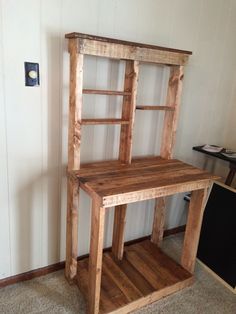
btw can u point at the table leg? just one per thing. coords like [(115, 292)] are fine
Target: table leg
[(72, 229), (95, 257), (231, 174), (119, 231), (193, 227), (158, 221)]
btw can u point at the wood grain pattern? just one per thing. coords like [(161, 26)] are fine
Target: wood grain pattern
[(121, 280), (142, 180), (95, 257), (126, 52), (145, 107), (119, 231), (170, 123), (128, 110), (144, 275), (125, 149), (171, 117), (72, 229), (124, 42), (75, 107), (103, 121), (193, 227), (158, 221), (105, 92)]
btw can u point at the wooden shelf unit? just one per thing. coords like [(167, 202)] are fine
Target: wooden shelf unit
[(144, 274), (130, 277)]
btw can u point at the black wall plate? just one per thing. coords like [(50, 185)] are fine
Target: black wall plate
[(31, 74)]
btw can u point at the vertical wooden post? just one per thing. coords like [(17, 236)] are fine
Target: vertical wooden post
[(128, 110), (193, 227), (72, 229), (167, 145), (95, 257), (171, 117), (76, 95), (158, 221), (74, 138), (125, 152)]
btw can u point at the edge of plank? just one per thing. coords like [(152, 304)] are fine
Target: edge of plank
[(124, 42)]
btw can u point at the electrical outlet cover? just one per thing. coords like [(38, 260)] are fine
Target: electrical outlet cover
[(31, 74)]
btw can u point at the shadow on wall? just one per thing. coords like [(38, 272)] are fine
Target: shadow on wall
[(38, 232)]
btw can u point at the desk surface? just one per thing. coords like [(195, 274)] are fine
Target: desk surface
[(217, 155), (145, 178)]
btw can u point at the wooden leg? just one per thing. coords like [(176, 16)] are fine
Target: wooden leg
[(118, 231), (193, 227), (231, 174), (158, 221), (95, 257), (72, 229)]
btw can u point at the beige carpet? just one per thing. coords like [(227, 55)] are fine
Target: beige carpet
[(52, 294)]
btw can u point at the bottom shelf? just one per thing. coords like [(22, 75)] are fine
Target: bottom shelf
[(144, 275)]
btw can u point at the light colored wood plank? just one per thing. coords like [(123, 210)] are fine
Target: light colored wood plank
[(164, 263), (75, 110), (103, 121), (171, 117), (158, 221), (122, 281), (128, 110), (72, 229), (141, 266), (150, 193), (129, 175), (163, 275), (120, 278), (105, 92), (125, 150), (118, 231), (125, 42), (119, 51), (150, 177), (193, 227), (156, 295), (95, 257), (136, 277), (143, 107)]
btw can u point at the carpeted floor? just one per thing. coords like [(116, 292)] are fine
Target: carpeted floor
[(52, 294)]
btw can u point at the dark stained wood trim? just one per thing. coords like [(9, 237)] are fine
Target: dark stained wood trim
[(58, 266), (124, 42), (31, 274)]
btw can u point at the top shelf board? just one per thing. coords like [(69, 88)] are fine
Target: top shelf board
[(127, 50)]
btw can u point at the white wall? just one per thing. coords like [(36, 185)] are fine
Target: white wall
[(33, 121)]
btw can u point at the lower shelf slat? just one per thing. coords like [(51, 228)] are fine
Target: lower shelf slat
[(144, 275)]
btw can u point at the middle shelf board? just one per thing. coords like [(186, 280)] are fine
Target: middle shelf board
[(105, 92), (103, 121), (166, 108)]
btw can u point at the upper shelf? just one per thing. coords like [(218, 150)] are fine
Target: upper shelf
[(121, 49)]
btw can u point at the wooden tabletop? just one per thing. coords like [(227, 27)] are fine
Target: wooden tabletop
[(145, 178)]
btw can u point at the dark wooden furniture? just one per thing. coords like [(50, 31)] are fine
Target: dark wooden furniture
[(129, 277), (231, 161)]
